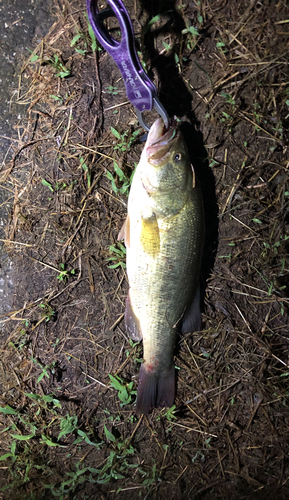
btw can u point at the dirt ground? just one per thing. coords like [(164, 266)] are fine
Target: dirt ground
[(67, 428)]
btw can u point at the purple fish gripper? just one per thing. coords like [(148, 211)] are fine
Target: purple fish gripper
[(140, 90)]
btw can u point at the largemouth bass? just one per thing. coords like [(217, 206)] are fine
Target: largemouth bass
[(163, 233)]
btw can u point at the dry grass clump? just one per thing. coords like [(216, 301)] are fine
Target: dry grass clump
[(68, 371)]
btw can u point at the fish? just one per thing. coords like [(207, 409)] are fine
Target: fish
[(164, 235)]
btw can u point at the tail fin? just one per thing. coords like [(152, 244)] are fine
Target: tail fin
[(155, 389)]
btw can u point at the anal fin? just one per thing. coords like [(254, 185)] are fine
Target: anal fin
[(192, 319)]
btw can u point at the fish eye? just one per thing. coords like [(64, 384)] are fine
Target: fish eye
[(178, 157)]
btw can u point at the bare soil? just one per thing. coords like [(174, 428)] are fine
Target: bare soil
[(228, 435)]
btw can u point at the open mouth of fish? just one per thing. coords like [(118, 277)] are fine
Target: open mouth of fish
[(160, 140)]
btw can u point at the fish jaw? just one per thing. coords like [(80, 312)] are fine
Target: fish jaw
[(164, 169), (160, 141)]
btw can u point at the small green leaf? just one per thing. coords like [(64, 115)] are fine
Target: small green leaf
[(135, 134), (115, 133), (166, 46), (93, 38), (7, 455), (47, 184), (22, 438), (42, 375), (86, 438), (154, 20), (32, 396), (109, 435), (48, 441), (193, 31), (7, 410), (56, 97), (109, 175), (13, 448), (50, 399), (118, 171), (81, 52), (67, 425), (116, 384), (63, 74), (114, 266), (33, 56), (75, 39)]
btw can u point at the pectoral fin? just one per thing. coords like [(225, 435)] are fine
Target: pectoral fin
[(192, 319), (124, 233), (150, 235), (132, 322), (194, 177)]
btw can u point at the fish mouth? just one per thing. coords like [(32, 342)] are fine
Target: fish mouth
[(160, 140)]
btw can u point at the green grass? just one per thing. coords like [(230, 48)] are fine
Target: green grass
[(125, 139), (117, 255), (40, 424), (124, 390)]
